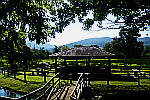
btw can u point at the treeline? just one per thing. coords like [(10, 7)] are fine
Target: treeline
[(41, 54), (127, 49)]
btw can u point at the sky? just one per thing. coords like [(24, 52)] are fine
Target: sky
[(74, 32)]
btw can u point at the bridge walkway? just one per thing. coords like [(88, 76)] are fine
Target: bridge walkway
[(63, 93)]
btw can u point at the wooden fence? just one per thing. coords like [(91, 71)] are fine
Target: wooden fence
[(49, 87), (43, 70)]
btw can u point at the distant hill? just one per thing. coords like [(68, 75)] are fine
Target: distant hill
[(92, 41), (101, 41), (146, 41), (87, 42), (46, 46)]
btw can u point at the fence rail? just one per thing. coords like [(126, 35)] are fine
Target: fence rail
[(16, 71)]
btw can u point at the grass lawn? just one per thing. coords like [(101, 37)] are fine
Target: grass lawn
[(99, 88), (19, 85), (142, 82), (119, 92)]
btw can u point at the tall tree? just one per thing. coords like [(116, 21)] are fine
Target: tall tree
[(94, 46), (56, 49), (146, 51), (77, 45), (18, 15), (121, 47), (63, 48)]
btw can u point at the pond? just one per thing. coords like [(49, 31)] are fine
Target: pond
[(7, 93)]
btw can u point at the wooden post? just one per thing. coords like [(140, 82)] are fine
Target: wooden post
[(109, 63), (59, 82), (65, 61), (138, 80), (44, 76), (25, 76), (8, 71), (89, 61), (109, 66), (53, 82), (4, 71), (55, 65), (14, 74), (108, 79), (70, 81), (37, 71), (76, 61), (86, 62)]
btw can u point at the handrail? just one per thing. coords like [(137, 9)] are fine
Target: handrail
[(50, 94), (78, 88), (35, 91), (25, 96), (47, 90)]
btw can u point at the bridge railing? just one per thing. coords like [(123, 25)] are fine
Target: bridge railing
[(82, 82), (54, 89), (44, 90)]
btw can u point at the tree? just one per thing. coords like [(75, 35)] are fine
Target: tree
[(77, 45), (107, 47), (121, 47), (56, 49), (16, 15), (63, 48), (146, 51), (94, 46)]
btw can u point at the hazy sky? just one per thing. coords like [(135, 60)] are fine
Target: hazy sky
[(74, 32)]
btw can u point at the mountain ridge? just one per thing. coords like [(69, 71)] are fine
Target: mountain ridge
[(100, 41)]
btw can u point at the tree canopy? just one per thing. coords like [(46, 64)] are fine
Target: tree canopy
[(40, 19)]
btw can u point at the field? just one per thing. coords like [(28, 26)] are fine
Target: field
[(118, 66)]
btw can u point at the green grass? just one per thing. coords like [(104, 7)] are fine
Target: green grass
[(18, 85), (34, 82), (22, 87), (142, 82)]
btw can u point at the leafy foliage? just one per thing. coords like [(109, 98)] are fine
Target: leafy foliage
[(40, 54), (122, 47), (78, 45), (146, 51), (60, 49), (39, 19)]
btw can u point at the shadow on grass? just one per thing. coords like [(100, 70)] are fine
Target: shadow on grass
[(12, 76), (29, 82), (114, 92)]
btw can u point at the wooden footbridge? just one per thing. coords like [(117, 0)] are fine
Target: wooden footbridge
[(55, 89)]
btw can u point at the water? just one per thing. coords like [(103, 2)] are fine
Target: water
[(6, 93)]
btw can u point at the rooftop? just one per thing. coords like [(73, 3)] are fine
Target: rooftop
[(83, 51)]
